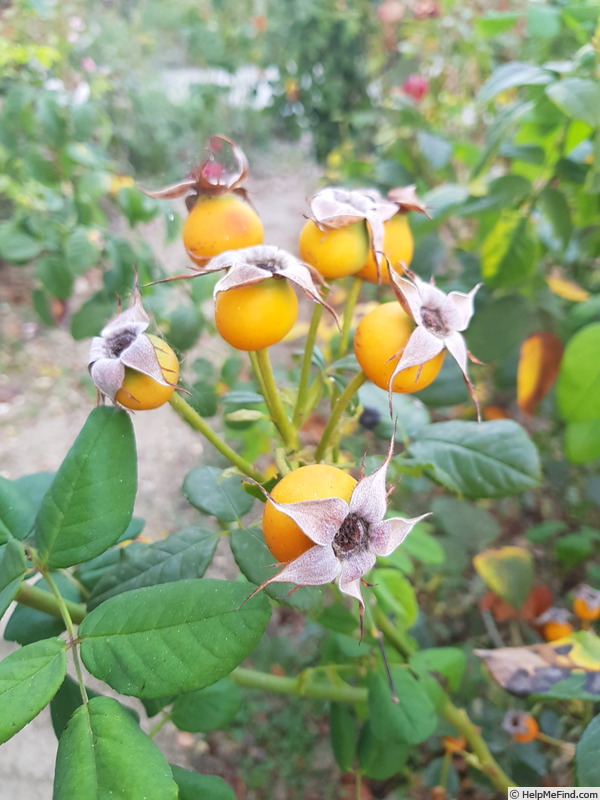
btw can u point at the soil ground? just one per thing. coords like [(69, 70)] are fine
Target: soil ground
[(45, 397)]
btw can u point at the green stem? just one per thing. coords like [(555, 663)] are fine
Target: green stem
[(487, 763), (351, 301), (397, 638), (551, 740), (309, 347), (280, 419), (64, 611), (194, 419), (456, 716), (337, 411), (160, 724), (445, 768), (32, 597), (278, 684), (259, 378)]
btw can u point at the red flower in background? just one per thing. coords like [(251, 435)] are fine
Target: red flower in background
[(416, 87)]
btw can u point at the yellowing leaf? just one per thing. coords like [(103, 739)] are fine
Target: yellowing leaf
[(508, 572), (566, 668), (568, 290), (539, 362)]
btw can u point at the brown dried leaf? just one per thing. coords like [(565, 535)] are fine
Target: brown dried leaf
[(572, 661)]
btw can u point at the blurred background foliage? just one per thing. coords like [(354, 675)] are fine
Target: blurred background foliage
[(491, 109)]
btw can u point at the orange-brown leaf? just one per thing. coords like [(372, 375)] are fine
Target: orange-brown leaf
[(539, 362), (538, 601)]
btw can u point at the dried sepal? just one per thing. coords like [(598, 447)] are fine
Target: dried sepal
[(252, 265), (440, 319), (589, 595), (334, 207), (406, 199), (555, 614), (223, 169), (515, 722), (347, 536), (122, 344)]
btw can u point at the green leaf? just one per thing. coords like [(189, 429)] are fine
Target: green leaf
[(209, 490), (173, 638), (90, 501), (396, 594), (207, 709), (573, 548), (54, 275), (423, 546), (81, 250), (17, 513), (136, 206), (34, 487), (185, 554), (89, 320), (543, 21), (12, 571), (468, 528), (578, 384), (446, 664), (436, 150), (27, 625), (508, 572), (342, 730), (556, 208), (183, 326), (29, 679), (498, 327), (578, 98), (460, 520), (411, 415), (103, 753), (511, 75), (545, 530), (18, 247), (255, 560), (193, 786), (503, 192), (65, 702), (493, 23), (92, 571), (488, 459), (444, 198), (499, 131), (587, 764), (509, 253), (448, 389), (409, 721), (377, 762), (582, 441)]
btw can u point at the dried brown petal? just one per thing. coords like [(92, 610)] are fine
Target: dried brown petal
[(223, 169), (406, 199)]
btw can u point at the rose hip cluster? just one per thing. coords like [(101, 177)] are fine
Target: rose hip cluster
[(336, 525)]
